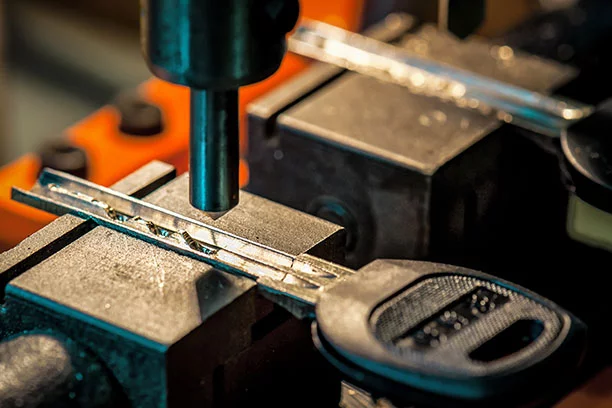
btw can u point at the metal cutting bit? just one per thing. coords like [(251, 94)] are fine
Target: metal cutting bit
[(214, 151), (214, 48)]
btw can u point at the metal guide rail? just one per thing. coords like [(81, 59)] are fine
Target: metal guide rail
[(300, 278), (531, 110)]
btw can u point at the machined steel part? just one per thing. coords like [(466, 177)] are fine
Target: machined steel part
[(214, 151), (214, 48), (531, 110), (301, 279)]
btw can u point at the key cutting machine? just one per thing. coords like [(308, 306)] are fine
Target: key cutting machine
[(95, 315)]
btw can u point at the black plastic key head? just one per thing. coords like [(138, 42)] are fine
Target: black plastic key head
[(442, 335)]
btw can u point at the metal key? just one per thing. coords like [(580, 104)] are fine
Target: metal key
[(400, 328), (531, 110)]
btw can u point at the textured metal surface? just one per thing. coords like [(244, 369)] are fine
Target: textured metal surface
[(68, 228), (104, 274), (28, 314), (275, 271), (263, 221), (146, 179), (354, 397), (444, 131), (173, 330), (40, 246)]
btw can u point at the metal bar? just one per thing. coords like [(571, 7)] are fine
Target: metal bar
[(532, 110), (295, 278)]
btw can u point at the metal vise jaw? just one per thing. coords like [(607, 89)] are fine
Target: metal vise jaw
[(406, 175), (170, 330)]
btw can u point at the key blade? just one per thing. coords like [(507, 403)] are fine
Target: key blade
[(352, 51), (285, 275), (182, 242), (59, 188)]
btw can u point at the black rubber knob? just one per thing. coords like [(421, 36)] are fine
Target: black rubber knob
[(64, 156), (40, 370), (138, 117), (587, 147)]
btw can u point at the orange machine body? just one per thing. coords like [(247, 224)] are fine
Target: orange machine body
[(112, 155)]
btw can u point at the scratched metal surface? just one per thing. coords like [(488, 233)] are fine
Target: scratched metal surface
[(365, 114), (133, 285), (68, 228), (144, 367), (260, 220)]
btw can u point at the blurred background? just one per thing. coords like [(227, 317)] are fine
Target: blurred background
[(62, 59)]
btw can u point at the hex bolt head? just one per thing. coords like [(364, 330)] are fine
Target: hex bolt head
[(64, 156)]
